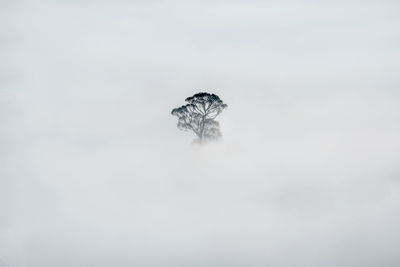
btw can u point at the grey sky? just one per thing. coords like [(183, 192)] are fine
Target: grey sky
[(93, 171)]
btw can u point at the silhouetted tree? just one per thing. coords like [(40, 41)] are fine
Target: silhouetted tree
[(199, 114)]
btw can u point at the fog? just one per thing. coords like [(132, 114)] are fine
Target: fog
[(94, 172)]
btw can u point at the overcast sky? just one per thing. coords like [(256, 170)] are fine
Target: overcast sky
[(94, 172)]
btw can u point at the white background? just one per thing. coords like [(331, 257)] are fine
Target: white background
[(94, 172)]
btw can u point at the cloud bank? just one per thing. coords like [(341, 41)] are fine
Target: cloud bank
[(93, 171)]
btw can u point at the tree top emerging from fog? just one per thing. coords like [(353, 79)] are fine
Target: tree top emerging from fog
[(199, 114)]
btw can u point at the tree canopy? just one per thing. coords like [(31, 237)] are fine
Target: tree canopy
[(199, 114)]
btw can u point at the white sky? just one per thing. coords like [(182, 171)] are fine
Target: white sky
[(93, 171)]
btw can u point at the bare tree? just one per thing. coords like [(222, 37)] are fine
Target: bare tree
[(199, 114)]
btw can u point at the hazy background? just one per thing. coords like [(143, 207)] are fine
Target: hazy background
[(93, 171)]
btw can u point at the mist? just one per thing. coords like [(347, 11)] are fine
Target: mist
[(94, 172)]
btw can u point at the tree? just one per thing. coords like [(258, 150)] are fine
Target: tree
[(199, 114)]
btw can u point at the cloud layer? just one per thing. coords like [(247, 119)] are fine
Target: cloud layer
[(93, 171)]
